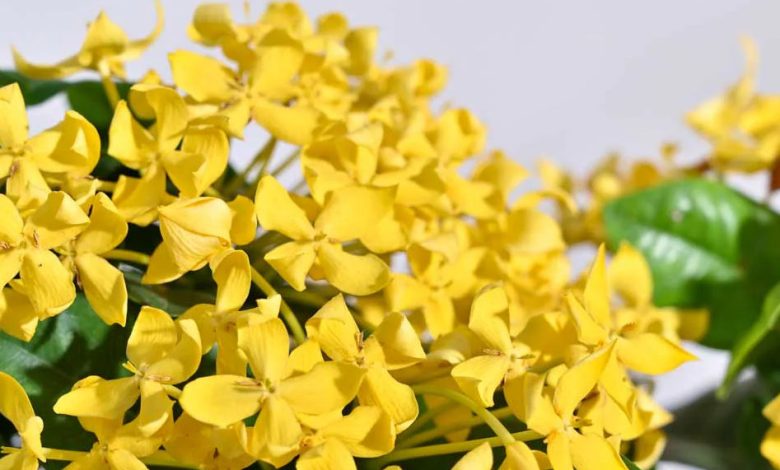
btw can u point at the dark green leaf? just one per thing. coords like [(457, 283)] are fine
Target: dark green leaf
[(707, 245), (631, 465), (745, 349), (34, 91), (65, 349)]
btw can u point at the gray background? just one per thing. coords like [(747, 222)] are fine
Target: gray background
[(567, 80)]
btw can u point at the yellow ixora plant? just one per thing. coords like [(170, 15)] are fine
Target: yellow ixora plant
[(388, 307)]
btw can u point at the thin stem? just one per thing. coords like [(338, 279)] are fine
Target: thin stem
[(425, 418), (441, 431), (287, 313), (286, 163), (112, 92), (501, 431), (261, 156), (159, 458), (451, 448), (127, 255)]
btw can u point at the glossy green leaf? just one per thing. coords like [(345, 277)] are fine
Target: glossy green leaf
[(65, 349), (749, 345), (629, 464), (34, 91), (707, 245)]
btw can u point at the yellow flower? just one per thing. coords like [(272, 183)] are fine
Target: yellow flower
[(552, 414), (261, 96), (440, 275), (501, 359), (119, 446), (15, 406), (192, 156), (770, 445), (321, 242), (394, 345), (105, 49), (645, 352), (103, 284), (280, 396), (70, 148), (219, 323), (17, 315), (207, 446), (741, 124), (25, 250), (188, 244), (161, 353), (518, 457), (366, 432)]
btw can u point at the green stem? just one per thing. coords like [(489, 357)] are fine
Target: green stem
[(442, 431), (159, 458), (492, 422), (287, 313), (127, 255), (425, 418), (264, 155), (286, 163), (112, 92), (451, 448)]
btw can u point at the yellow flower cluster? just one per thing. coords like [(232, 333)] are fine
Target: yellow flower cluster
[(479, 301)]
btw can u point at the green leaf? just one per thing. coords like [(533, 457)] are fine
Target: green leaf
[(749, 344), (34, 91), (631, 465), (707, 246), (65, 349)]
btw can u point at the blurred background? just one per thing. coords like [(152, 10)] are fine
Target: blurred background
[(570, 83)]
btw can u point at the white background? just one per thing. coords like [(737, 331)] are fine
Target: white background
[(567, 80)]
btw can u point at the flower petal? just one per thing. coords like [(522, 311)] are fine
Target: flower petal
[(276, 433), (401, 346), (394, 398), (183, 360), (231, 272), (366, 431), (221, 400), (293, 261), (153, 336), (294, 125), (593, 452), (106, 230), (17, 315), (276, 211), (577, 382), (336, 385), (266, 346), (338, 219), (353, 274), (99, 398), (56, 222), (13, 116), (480, 376), (478, 458), (334, 329), (104, 286), (243, 229), (651, 353), (204, 78), (48, 285)]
